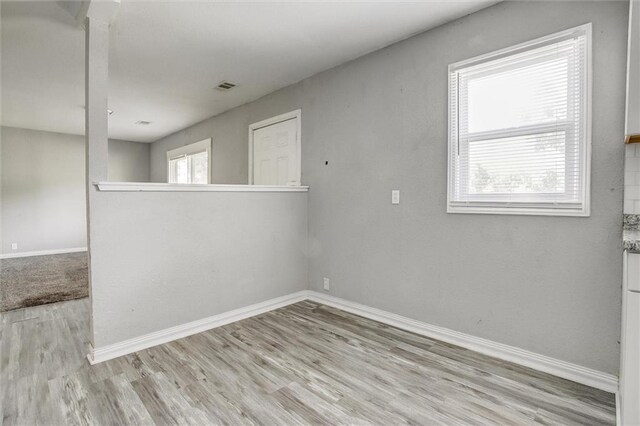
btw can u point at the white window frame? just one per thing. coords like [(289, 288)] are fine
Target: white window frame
[(194, 148), (297, 115), (546, 208)]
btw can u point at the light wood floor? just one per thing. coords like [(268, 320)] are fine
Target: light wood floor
[(303, 364)]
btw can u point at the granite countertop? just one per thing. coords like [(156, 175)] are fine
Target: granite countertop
[(631, 245), (631, 232)]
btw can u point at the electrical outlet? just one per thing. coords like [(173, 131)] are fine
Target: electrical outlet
[(327, 286), (14, 246)]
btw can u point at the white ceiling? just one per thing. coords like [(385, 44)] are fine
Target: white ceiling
[(167, 57)]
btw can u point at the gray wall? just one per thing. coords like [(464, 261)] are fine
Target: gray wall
[(546, 284), (43, 186), (185, 256), (128, 161), (229, 157)]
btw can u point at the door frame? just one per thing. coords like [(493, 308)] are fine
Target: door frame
[(297, 115)]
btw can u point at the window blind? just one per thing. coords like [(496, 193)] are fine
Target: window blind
[(519, 129)]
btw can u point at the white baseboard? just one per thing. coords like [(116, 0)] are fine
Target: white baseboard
[(108, 352), (42, 252), (556, 367)]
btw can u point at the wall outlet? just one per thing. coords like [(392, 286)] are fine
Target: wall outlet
[(395, 196), (14, 246), (327, 285)]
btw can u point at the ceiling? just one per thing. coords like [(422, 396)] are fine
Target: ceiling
[(167, 57)]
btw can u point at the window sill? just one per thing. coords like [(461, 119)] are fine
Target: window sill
[(176, 187), (527, 211)]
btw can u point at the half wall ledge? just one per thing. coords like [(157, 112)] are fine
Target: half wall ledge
[(177, 187)]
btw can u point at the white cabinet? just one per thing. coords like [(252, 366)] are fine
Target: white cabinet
[(630, 354), (633, 272)]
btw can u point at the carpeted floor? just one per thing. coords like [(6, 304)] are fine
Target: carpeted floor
[(38, 280)]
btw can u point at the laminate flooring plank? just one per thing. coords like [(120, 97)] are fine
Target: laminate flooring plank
[(115, 402), (216, 402), (304, 364), (165, 402), (72, 396)]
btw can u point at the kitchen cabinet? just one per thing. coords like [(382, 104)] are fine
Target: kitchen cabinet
[(630, 343)]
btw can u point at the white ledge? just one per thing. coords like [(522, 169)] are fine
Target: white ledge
[(177, 187)]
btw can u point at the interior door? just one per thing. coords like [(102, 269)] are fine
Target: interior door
[(276, 159)]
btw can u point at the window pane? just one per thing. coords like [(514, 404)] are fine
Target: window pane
[(525, 164), (200, 167), (536, 93), (181, 167)]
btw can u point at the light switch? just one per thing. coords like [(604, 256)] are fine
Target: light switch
[(395, 196)]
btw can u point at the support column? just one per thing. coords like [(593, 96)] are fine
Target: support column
[(96, 122)]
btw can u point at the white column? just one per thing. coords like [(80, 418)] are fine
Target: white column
[(96, 120)]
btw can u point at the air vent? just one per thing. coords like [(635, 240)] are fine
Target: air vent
[(225, 85), (143, 123)]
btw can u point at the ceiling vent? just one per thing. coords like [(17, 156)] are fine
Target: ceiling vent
[(143, 123), (225, 86)]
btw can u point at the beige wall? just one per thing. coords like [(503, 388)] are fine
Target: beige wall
[(43, 186)]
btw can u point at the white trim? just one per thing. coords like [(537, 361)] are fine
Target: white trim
[(589, 106), (525, 211), (632, 100), (618, 410), (519, 48), (587, 376), (192, 148), (630, 44), (42, 252), (297, 115), (539, 209), (180, 187), (556, 367), (97, 355)]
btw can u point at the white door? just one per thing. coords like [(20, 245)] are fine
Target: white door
[(276, 156)]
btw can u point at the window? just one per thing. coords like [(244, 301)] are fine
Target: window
[(519, 128), (190, 164)]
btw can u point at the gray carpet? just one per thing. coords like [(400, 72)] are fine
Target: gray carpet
[(38, 280)]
